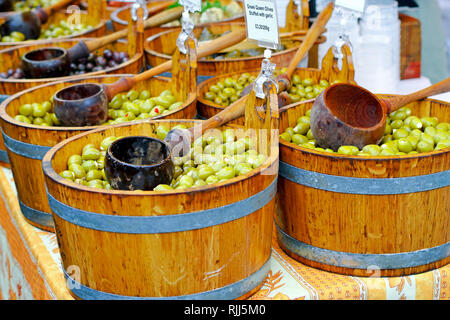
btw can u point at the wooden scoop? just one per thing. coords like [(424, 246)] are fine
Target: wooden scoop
[(87, 104), (6, 5), (284, 80), (54, 62), (347, 114), (29, 23)]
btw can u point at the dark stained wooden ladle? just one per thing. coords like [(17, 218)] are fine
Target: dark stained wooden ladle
[(6, 5), (87, 104), (29, 22), (347, 114), (54, 62)]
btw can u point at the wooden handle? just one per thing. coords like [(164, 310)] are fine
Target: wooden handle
[(393, 104), (61, 4), (82, 49), (164, 17), (311, 37), (230, 113), (202, 51)]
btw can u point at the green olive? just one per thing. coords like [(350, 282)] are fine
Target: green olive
[(26, 109), (225, 173), (67, 174), (90, 154), (77, 170), (299, 139), (429, 121), (348, 150), (94, 175), (89, 165), (424, 146), (372, 149), (404, 145)]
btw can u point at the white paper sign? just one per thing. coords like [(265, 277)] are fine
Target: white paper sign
[(192, 5), (356, 5), (262, 22)]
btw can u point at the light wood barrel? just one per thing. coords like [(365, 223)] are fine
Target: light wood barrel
[(365, 216), (120, 17), (26, 144), (208, 242)]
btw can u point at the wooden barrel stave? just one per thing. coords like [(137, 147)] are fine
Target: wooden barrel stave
[(211, 242), (36, 140), (9, 58), (349, 215), (98, 29)]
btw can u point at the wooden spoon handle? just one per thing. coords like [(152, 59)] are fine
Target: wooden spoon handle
[(59, 5), (214, 46), (396, 103), (163, 17), (82, 49), (230, 113), (311, 37)]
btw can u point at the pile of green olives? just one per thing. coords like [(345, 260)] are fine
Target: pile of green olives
[(124, 107), (62, 29), (25, 5), (404, 134), (306, 89), (227, 91), (14, 36), (212, 159), (140, 105), (38, 113)]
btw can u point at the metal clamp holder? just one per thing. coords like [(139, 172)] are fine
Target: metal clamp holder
[(134, 8), (266, 74), (187, 32)]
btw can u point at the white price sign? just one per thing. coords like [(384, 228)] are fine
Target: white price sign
[(262, 22), (356, 5), (192, 5)]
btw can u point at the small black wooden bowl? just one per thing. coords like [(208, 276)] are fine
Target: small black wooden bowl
[(138, 163), (46, 63), (81, 105)]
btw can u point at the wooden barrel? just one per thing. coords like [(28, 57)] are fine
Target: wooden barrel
[(365, 216), (26, 144), (94, 16), (209, 242), (120, 17), (11, 58), (159, 48), (329, 71)]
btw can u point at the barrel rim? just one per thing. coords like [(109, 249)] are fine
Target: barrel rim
[(115, 18), (135, 59), (98, 27), (50, 172), (4, 116), (331, 156), (149, 51)]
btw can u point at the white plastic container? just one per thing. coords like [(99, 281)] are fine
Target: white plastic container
[(377, 62)]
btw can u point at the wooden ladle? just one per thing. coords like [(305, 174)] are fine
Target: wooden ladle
[(347, 114), (87, 104), (54, 62), (29, 22)]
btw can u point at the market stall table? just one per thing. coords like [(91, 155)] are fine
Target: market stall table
[(30, 268)]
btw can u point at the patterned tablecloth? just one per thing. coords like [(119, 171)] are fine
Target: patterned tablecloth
[(30, 268)]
